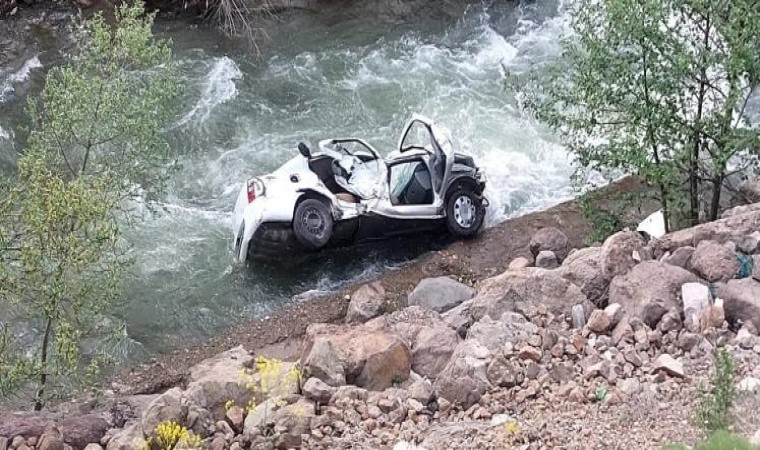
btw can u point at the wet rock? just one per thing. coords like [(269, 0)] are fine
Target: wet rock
[(669, 365), (367, 302), (317, 390), (464, 379), (217, 380), (621, 252), (680, 257), (598, 322), (650, 290), (584, 269), (440, 294), (527, 292), (551, 239), (696, 299), (546, 259), (714, 262)]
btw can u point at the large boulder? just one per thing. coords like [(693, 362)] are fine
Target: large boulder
[(696, 299), (650, 290), (169, 406), (525, 291), (367, 356), (431, 340), (584, 269), (295, 419), (367, 302), (217, 380), (732, 228), (551, 239), (680, 257), (129, 438), (621, 251), (77, 430), (440, 294), (465, 379), (494, 334), (714, 262), (741, 301)]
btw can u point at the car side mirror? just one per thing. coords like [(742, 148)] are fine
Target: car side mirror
[(304, 150)]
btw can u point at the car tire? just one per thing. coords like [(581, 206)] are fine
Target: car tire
[(312, 224), (464, 212)]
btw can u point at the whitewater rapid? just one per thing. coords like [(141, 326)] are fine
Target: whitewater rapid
[(243, 114)]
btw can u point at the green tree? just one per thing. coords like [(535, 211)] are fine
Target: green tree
[(95, 148), (659, 89)]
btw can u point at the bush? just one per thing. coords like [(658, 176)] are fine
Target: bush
[(721, 440), (713, 409)]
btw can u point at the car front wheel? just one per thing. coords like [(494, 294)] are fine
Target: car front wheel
[(464, 213), (312, 224)]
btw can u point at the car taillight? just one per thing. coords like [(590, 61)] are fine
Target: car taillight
[(255, 189)]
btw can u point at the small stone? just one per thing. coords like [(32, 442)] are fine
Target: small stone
[(622, 332), (235, 417), (600, 369), (317, 390), (549, 339), (17, 442), (534, 340), (443, 404), (749, 384), (633, 358), (598, 322), (713, 316), (666, 363), (630, 386), (687, 341), (519, 263), (529, 353), (546, 259), (579, 316), (671, 321), (615, 312), (745, 339)]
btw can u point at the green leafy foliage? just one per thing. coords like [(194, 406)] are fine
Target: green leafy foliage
[(95, 146), (721, 440), (659, 89), (714, 407)]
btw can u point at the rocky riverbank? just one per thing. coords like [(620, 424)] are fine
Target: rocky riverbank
[(579, 348)]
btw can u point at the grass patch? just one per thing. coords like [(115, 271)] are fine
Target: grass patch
[(720, 440), (714, 407)]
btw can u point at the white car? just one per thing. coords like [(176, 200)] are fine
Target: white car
[(347, 194)]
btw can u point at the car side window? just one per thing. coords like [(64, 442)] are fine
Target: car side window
[(410, 183)]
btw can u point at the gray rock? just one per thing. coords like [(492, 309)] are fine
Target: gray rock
[(696, 299), (546, 259), (324, 362), (459, 318), (261, 417), (494, 334), (621, 252), (519, 263), (92, 446), (367, 302), (551, 239), (295, 420), (669, 365), (464, 379), (680, 257), (168, 406), (317, 390), (420, 389), (527, 292), (623, 332), (578, 314), (51, 439), (741, 301), (750, 244), (432, 350), (129, 438), (650, 290), (739, 223), (584, 269), (598, 322), (615, 312), (501, 372), (215, 381), (630, 386), (439, 294), (714, 262)]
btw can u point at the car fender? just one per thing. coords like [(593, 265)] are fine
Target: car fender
[(464, 179)]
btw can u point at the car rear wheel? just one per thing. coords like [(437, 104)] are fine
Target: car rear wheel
[(312, 224), (464, 213)]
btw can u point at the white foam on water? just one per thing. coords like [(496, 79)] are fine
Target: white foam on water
[(219, 88), (21, 75), (5, 134)]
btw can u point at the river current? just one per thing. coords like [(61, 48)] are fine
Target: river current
[(335, 73)]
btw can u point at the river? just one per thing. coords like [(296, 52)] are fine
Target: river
[(338, 72)]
